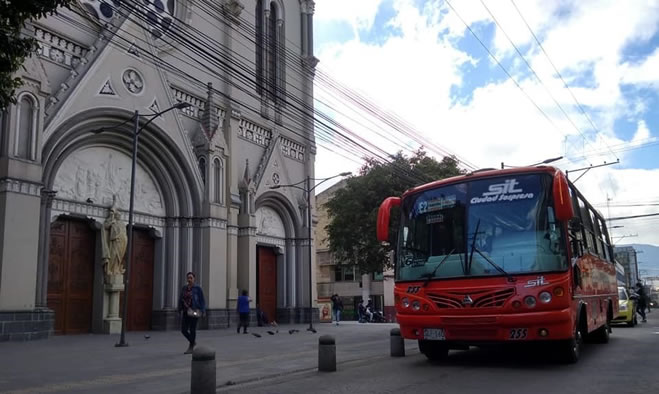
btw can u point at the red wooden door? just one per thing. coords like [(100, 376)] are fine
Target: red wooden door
[(267, 282), (71, 276), (140, 284)]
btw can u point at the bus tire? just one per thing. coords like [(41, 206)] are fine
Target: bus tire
[(572, 347), (433, 350), (601, 335)]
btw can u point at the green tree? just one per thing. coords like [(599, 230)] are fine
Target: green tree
[(14, 46), (353, 209)]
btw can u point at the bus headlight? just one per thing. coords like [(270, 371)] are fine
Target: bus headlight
[(530, 301), (416, 305), (405, 302), (544, 297)]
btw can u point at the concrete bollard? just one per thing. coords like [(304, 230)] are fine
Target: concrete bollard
[(326, 354), (397, 343), (202, 380)]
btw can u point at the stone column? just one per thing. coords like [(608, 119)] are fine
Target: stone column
[(47, 197)]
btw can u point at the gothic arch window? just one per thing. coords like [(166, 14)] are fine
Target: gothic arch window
[(218, 180), (26, 127), (270, 56), (202, 169)]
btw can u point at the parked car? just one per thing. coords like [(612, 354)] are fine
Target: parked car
[(626, 308)]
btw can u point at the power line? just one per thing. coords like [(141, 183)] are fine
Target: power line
[(559, 75), (331, 85), (203, 68), (502, 67), (533, 71)]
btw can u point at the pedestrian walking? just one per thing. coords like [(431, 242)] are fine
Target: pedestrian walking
[(243, 311), (191, 305), (337, 308), (642, 300)]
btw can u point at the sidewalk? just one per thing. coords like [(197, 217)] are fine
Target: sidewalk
[(91, 363)]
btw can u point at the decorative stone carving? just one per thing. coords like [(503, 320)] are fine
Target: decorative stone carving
[(58, 49), (102, 10), (254, 133), (154, 106), (107, 89), (114, 241), (159, 15), (234, 8), (133, 81), (268, 222), (133, 50), (99, 173), (292, 149)]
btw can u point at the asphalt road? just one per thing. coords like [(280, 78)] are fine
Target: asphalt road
[(628, 364)]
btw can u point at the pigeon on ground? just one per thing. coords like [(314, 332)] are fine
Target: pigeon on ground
[(313, 330), (146, 336), (256, 335), (293, 331), (271, 333)]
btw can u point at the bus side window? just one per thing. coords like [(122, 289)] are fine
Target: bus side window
[(575, 228), (606, 244), (586, 220)]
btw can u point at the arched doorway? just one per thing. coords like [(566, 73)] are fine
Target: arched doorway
[(71, 275)]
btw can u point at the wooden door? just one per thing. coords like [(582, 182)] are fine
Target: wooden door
[(71, 276), (267, 282), (140, 284)]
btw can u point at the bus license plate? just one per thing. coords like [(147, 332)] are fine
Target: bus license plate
[(434, 334), (518, 333)]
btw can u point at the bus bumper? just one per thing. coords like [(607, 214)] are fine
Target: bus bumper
[(527, 326)]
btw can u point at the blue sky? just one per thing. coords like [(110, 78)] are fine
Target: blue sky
[(417, 59)]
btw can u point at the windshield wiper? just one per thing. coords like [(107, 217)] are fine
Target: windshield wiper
[(473, 245), (431, 275), (495, 265)]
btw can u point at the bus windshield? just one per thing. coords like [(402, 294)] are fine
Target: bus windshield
[(486, 227)]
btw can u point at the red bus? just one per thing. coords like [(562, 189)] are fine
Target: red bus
[(498, 256)]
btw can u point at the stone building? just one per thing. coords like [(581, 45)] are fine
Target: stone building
[(203, 197)]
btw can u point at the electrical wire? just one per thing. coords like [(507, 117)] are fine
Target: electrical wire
[(161, 62), (559, 74)]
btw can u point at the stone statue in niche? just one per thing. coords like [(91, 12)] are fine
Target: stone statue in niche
[(114, 242)]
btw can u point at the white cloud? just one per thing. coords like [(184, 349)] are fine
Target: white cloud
[(413, 74), (360, 14)]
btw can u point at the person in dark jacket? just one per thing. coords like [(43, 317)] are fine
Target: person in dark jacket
[(243, 311), (642, 300), (192, 305), (337, 307)]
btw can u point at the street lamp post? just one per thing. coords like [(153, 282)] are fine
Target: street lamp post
[(136, 135), (308, 189)]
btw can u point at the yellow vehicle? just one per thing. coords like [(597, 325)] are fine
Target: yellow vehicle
[(626, 308)]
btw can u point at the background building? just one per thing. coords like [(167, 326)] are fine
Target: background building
[(345, 279), (626, 256), (203, 197)]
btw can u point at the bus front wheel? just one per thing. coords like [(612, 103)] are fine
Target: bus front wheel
[(433, 350), (572, 347)]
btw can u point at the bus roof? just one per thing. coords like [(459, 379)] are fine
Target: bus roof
[(481, 174)]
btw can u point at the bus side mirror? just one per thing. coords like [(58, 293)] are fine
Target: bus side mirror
[(562, 198), (383, 217)]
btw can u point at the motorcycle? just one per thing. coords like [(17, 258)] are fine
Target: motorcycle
[(378, 317)]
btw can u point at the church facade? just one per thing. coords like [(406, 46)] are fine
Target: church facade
[(203, 200)]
